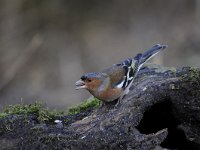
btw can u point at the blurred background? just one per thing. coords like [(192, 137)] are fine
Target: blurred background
[(45, 45)]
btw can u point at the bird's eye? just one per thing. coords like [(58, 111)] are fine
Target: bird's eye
[(89, 80)]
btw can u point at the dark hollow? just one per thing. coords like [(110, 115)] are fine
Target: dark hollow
[(160, 116)]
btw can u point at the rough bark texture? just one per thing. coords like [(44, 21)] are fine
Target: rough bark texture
[(162, 109)]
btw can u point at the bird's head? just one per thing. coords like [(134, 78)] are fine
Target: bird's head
[(90, 81)]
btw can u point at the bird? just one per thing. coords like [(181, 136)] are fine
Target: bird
[(114, 82)]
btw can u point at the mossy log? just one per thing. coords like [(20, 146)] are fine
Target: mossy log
[(162, 109)]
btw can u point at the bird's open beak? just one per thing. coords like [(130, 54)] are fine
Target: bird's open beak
[(80, 84)]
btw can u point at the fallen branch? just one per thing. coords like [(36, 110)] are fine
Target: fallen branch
[(162, 101)]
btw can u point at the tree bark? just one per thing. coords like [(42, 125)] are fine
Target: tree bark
[(116, 127)]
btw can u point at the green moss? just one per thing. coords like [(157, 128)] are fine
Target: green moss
[(90, 103), (23, 108), (2, 115), (47, 115), (193, 75), (43, 114)]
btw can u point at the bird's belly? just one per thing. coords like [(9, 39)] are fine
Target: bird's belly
[(109, 95)]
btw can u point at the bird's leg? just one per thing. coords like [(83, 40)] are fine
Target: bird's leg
[(126, 91), (119, 100), (122, 96)]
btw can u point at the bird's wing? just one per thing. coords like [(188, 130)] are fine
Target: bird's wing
[(116, 75), (122, 74)]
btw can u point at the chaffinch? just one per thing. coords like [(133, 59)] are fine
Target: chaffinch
[(114, 82)]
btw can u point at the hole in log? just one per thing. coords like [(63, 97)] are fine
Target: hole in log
[(159, 117)]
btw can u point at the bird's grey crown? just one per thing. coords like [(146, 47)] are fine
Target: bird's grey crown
[(91, 75)]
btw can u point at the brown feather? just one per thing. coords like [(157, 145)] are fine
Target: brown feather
[(116, 74)]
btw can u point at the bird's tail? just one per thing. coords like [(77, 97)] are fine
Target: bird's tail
[(142, 58)]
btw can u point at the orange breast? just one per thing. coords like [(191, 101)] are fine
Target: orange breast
[(109, 95)]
